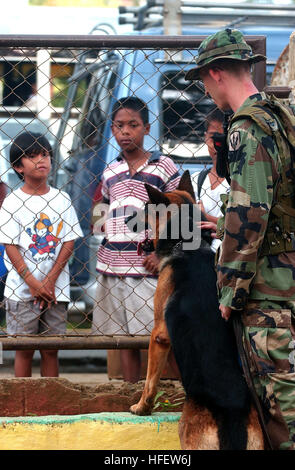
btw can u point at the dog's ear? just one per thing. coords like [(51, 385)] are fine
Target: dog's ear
[(185, 184), (156, 196)]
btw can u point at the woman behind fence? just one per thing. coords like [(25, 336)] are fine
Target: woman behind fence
[(208, 186)]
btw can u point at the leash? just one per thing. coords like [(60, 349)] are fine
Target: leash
[(238, 329)]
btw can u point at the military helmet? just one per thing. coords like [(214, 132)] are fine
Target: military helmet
[(225, 44)]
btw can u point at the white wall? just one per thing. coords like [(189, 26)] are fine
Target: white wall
[(19, 18)]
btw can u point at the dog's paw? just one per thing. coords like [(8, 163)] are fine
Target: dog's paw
[(140, 410)]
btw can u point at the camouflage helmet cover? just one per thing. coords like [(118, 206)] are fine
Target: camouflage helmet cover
[(225, 44)]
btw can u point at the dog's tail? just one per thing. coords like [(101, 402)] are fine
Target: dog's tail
[(232, 428)]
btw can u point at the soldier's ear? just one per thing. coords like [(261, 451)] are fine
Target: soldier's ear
[(216, 73)]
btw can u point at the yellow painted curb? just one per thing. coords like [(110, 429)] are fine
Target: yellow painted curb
[(99, 431)]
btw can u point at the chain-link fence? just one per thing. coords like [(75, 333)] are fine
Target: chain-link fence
[(64, 90)]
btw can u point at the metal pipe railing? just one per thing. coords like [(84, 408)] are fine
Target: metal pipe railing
[(102, 42), (105, 42), (74, 342)]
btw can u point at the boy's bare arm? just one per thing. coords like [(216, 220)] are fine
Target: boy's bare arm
[(62, 259), (50, 280), (37, 288), (42, 291), (3, 192)]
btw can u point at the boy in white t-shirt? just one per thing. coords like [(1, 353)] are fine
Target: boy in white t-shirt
[(38, 226)]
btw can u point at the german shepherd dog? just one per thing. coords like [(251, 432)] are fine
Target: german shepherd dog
[(217, 413)]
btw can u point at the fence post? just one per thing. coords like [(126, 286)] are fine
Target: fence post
[(172, 24), (43, 84)]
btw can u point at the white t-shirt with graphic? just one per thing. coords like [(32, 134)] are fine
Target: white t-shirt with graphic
[(39, 225)]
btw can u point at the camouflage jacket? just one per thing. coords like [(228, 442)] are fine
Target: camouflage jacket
[(255, 167)]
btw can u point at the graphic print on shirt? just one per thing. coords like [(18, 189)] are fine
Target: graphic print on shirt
[(44, 241)]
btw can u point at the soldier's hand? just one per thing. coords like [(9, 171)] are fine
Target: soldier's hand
[(225, 312)]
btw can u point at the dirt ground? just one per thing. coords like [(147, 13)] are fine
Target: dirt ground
[(170, 396), (170, 387)]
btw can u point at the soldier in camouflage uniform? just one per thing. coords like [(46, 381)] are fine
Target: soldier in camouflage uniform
[(252, 281)]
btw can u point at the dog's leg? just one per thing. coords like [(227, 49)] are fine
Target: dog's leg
[(157, 357), (197, 428), (255, 434), (159, 344)]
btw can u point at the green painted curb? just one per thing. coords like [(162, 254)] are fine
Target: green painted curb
[(112, 418)]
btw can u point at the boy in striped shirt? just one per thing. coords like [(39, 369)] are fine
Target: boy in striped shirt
[(127, 279)]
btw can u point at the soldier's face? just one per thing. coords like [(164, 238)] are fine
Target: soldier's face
[(214, 88)]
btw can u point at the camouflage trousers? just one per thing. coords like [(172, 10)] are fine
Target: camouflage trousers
[(269, 339)]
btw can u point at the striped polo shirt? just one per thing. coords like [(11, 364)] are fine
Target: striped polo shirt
[(125, 194)]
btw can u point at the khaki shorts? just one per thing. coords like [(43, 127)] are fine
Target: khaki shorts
[(25, 318), (124, 306)]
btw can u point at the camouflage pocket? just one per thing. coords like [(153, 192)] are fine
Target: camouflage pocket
[(271, 350)]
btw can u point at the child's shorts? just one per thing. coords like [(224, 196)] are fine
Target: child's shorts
[(25, 318), (124, 306)]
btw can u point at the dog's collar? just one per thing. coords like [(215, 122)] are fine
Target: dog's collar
[(147, 245), (177, 247), (171, 250)]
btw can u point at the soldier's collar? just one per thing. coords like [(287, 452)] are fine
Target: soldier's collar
[(251, 100)]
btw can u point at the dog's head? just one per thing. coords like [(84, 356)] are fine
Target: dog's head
[(171, 219)]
